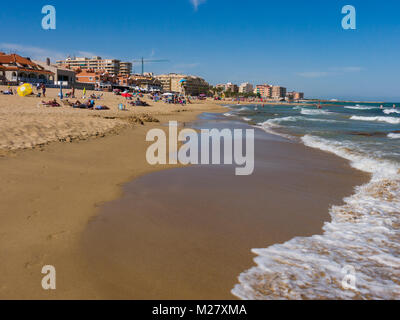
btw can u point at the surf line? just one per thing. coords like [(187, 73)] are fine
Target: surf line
[(209, 141)]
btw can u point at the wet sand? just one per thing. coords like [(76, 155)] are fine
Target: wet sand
[(187, 233)]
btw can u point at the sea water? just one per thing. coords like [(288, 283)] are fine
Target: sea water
[(363, 234)]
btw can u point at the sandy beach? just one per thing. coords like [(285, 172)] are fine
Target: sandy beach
[(60, 205), (50, 190)]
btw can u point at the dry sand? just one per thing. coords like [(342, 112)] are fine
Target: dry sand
[(25, 124), (49, 194)]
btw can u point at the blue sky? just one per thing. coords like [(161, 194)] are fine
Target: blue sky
[(297, 44)]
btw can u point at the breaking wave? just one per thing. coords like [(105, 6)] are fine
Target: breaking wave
[(313, 112), (391, 120), (394, 135), (360, 107), (363, 234), (390, 111)]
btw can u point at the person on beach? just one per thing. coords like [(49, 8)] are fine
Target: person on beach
[(394, 106), (381, 107), (44, 90)]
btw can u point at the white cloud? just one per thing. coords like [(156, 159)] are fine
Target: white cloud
[(331, 72), (197, 3), (36, 53)]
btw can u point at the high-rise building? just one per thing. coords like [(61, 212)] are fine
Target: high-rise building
[(111, 66), (295, 95), (125, 68), (231, 87), (181, 83), (246, 88), (264, 90), (278, 92)]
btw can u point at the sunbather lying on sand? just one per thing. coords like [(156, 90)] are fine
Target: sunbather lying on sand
[(52, 103)]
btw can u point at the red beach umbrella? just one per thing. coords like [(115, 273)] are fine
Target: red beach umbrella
[(126, 95)]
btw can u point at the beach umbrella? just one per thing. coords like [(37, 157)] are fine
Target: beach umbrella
[(25, 90), (126, 95)]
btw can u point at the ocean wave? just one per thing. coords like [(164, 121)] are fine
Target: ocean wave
[(357, 107), (274, 122), (228, 114), (390, 111), (277, 121), (313, 112), (391, 120), (394, 135), (363, 236)]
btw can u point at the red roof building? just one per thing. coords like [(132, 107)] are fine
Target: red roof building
[(14, 68)]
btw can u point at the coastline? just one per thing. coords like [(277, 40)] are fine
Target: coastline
[(50, 216), (51, 193), (164, 242)]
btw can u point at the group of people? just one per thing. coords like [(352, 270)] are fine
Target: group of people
[(175, 99)]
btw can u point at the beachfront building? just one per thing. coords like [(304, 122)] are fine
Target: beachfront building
[(111, 66), (94, 78), (264, 90), (15, 69), (228, 87), (146, 82), (184, 84), (246, 88), (294, 96), (64, 76), (125, 68), (278, 92), (231, 87)]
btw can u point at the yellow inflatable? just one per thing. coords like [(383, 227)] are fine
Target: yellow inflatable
[(25, 90)]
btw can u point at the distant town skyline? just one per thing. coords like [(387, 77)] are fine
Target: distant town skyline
[(294, 44)]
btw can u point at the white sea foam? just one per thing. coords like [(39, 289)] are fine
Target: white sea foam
[(358, 107), (391, 120), (390, 111), (313, 112), (246, 119), (394, 135), (364, 233), (275, 122), (228, 114)]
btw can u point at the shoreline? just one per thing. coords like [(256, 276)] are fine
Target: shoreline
[(52, 217), (148, 259)]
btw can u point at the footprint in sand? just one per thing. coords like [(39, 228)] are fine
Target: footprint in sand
[(33, 215), (56, 236), (35, 260)]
